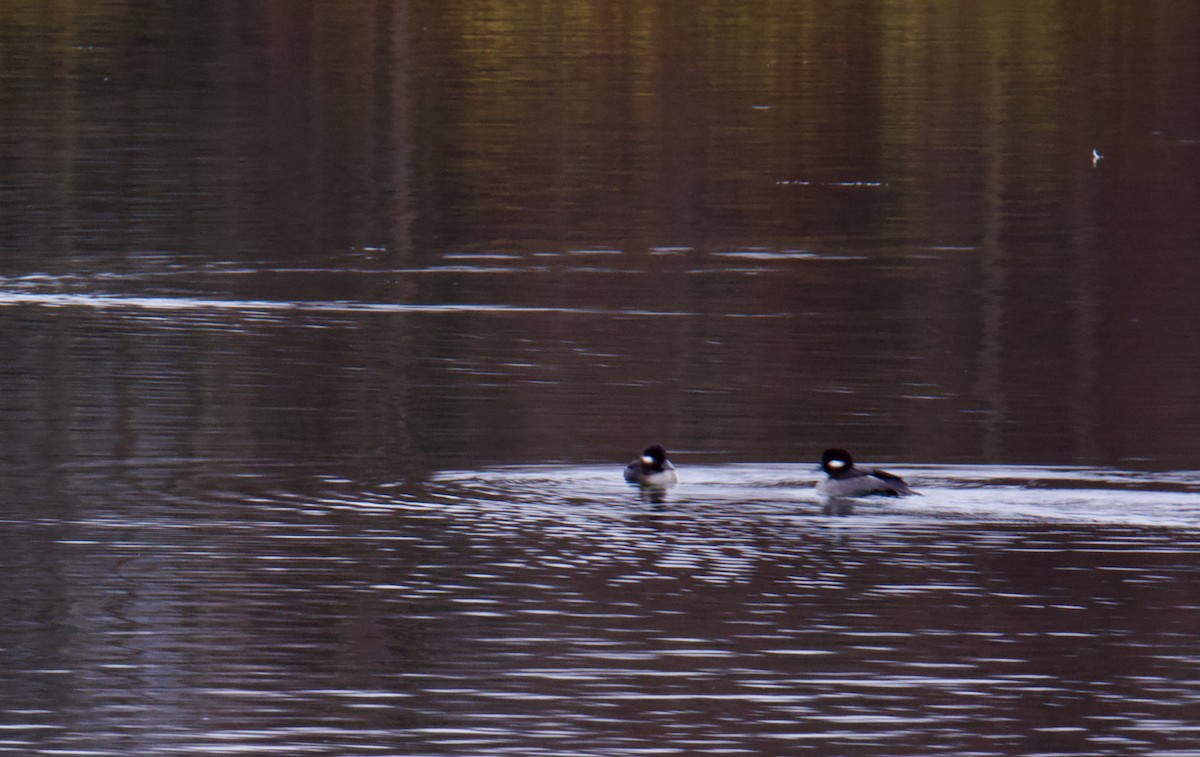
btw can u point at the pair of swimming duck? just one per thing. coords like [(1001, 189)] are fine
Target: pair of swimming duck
[(844, 478)]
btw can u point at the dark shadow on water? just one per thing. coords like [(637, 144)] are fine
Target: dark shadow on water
[(839, 507)]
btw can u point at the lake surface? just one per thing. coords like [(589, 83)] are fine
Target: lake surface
[(328, 329)]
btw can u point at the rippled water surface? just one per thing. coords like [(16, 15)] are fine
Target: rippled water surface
[(557, 610), (328, 328)]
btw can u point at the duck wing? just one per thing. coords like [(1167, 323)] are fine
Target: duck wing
[(890, 482)]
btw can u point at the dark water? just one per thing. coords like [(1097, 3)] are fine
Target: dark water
[(328, 328)]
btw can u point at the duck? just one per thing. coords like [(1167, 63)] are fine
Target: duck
[(652, 468), (848, 480)]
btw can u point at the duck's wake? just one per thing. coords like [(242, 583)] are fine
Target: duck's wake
[(1082, 495)]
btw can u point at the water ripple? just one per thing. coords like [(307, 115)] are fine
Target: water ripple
[(556, 610), (1095, 496)]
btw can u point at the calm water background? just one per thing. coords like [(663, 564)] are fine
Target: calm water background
[(328, 327)]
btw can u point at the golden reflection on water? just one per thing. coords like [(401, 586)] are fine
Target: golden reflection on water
[(911, 188)]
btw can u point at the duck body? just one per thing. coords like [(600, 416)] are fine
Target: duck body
[(652, 469), (845, 479)]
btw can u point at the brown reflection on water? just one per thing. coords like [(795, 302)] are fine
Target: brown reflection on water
[(954, 279), (268, 271)]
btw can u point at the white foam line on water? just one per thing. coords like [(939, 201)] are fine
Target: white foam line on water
[(768, 254), (113, 302)]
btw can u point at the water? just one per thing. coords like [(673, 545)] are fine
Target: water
[(555, 610), (328, 330)]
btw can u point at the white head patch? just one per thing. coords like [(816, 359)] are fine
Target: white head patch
[(836, 463), (647, 460)]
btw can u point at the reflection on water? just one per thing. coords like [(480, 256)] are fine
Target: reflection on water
[(551, 610), (317, 319), (910, 191)]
